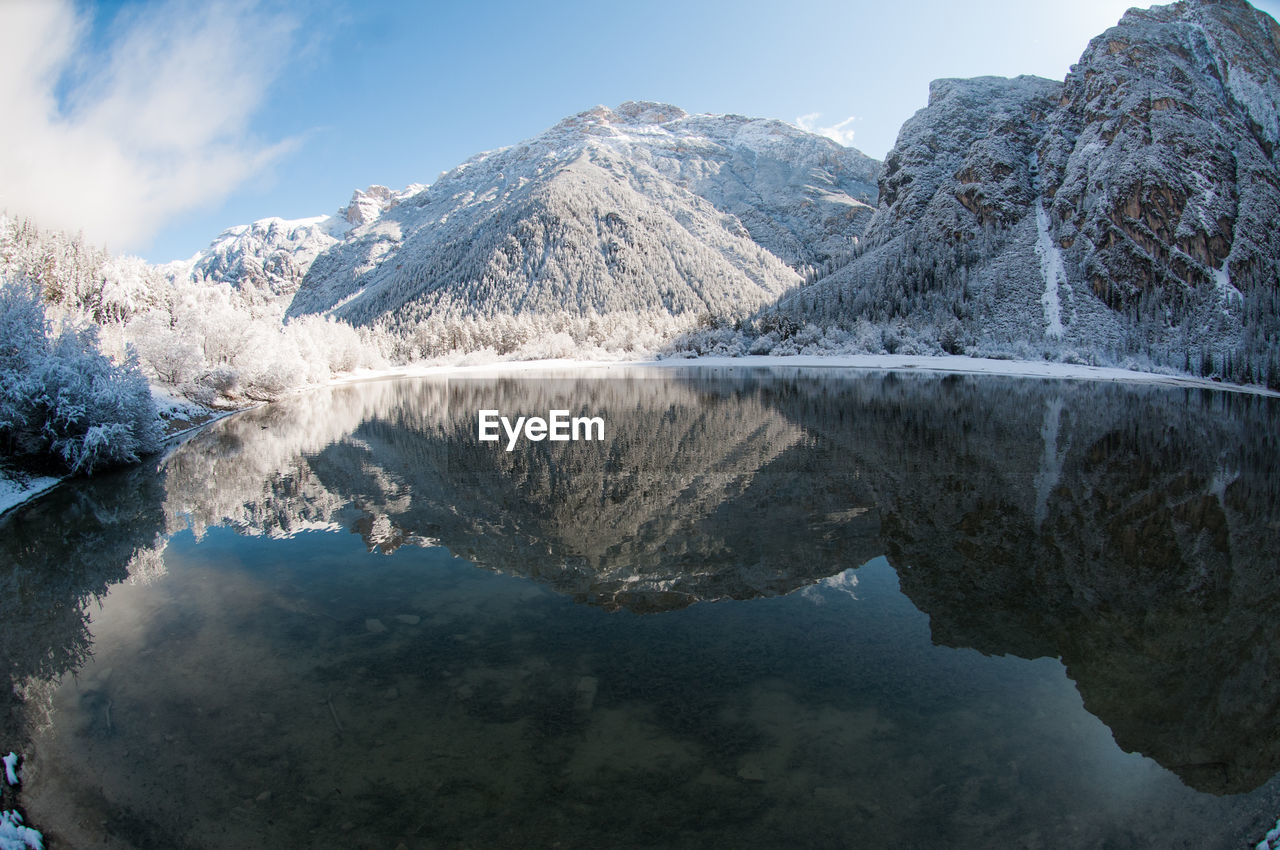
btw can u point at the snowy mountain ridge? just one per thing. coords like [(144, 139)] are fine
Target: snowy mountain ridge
[(272, 255), (642, 207)]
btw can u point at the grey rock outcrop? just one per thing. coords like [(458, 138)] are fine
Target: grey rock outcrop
[(1159, 168), (1126, 209)]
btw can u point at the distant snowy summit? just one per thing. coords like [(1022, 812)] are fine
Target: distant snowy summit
[(273, 255), (639, 208)]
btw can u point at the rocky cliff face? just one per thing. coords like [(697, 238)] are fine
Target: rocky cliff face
[(1159, 167), (964, 162), (1131, 200)]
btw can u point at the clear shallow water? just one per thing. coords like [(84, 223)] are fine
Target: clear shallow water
[(816, 610)]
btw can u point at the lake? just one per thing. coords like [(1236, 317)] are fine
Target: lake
[(772, 608)]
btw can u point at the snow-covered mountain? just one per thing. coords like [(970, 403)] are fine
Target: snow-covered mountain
[(1125, 212), (1160, 168), (1132, 200), (272, 255), (641, 208)]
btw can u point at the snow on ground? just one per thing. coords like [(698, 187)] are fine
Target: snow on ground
[(1054, 272), (11, 768), (14, 492), (170, 405), (1272, 839), (951, 363), (15, 836), (178, 414)]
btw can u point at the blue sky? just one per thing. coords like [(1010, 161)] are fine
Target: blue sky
[(152, 126)]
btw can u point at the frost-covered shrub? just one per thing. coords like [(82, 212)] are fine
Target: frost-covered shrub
[(764, 343), (785, 348), (835, 340), (164, 355), (716, 340), (952, 338), (779, 324), (807, 336), (223, 380), (866, 337), (1075, 358), (554, 346), (480, 357), (911, 346), (61, 396), (990, 351), (271, 377), (215, 345)]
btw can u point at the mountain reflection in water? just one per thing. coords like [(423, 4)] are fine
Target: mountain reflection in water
[(1128, 531)]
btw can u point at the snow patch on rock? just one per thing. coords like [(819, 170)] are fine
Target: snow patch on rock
[(1053, 271)]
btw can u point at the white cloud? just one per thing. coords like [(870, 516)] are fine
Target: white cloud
[(836, 132), (115, 138)]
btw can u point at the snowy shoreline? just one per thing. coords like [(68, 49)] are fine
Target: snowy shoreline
[(13, 494), (949, 364)]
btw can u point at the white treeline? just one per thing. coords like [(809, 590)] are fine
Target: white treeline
[(934, 333), (223, 345), (206, 340), (537, 336)]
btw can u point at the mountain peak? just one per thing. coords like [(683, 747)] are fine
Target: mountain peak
[(632, 113), (1137, 193), (648, 112), (978, 89), (640, 207), (369, 204)]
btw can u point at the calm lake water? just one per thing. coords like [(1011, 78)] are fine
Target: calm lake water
[(773, 608)]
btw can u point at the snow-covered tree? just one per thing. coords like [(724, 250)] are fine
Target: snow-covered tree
[(61, 397)]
